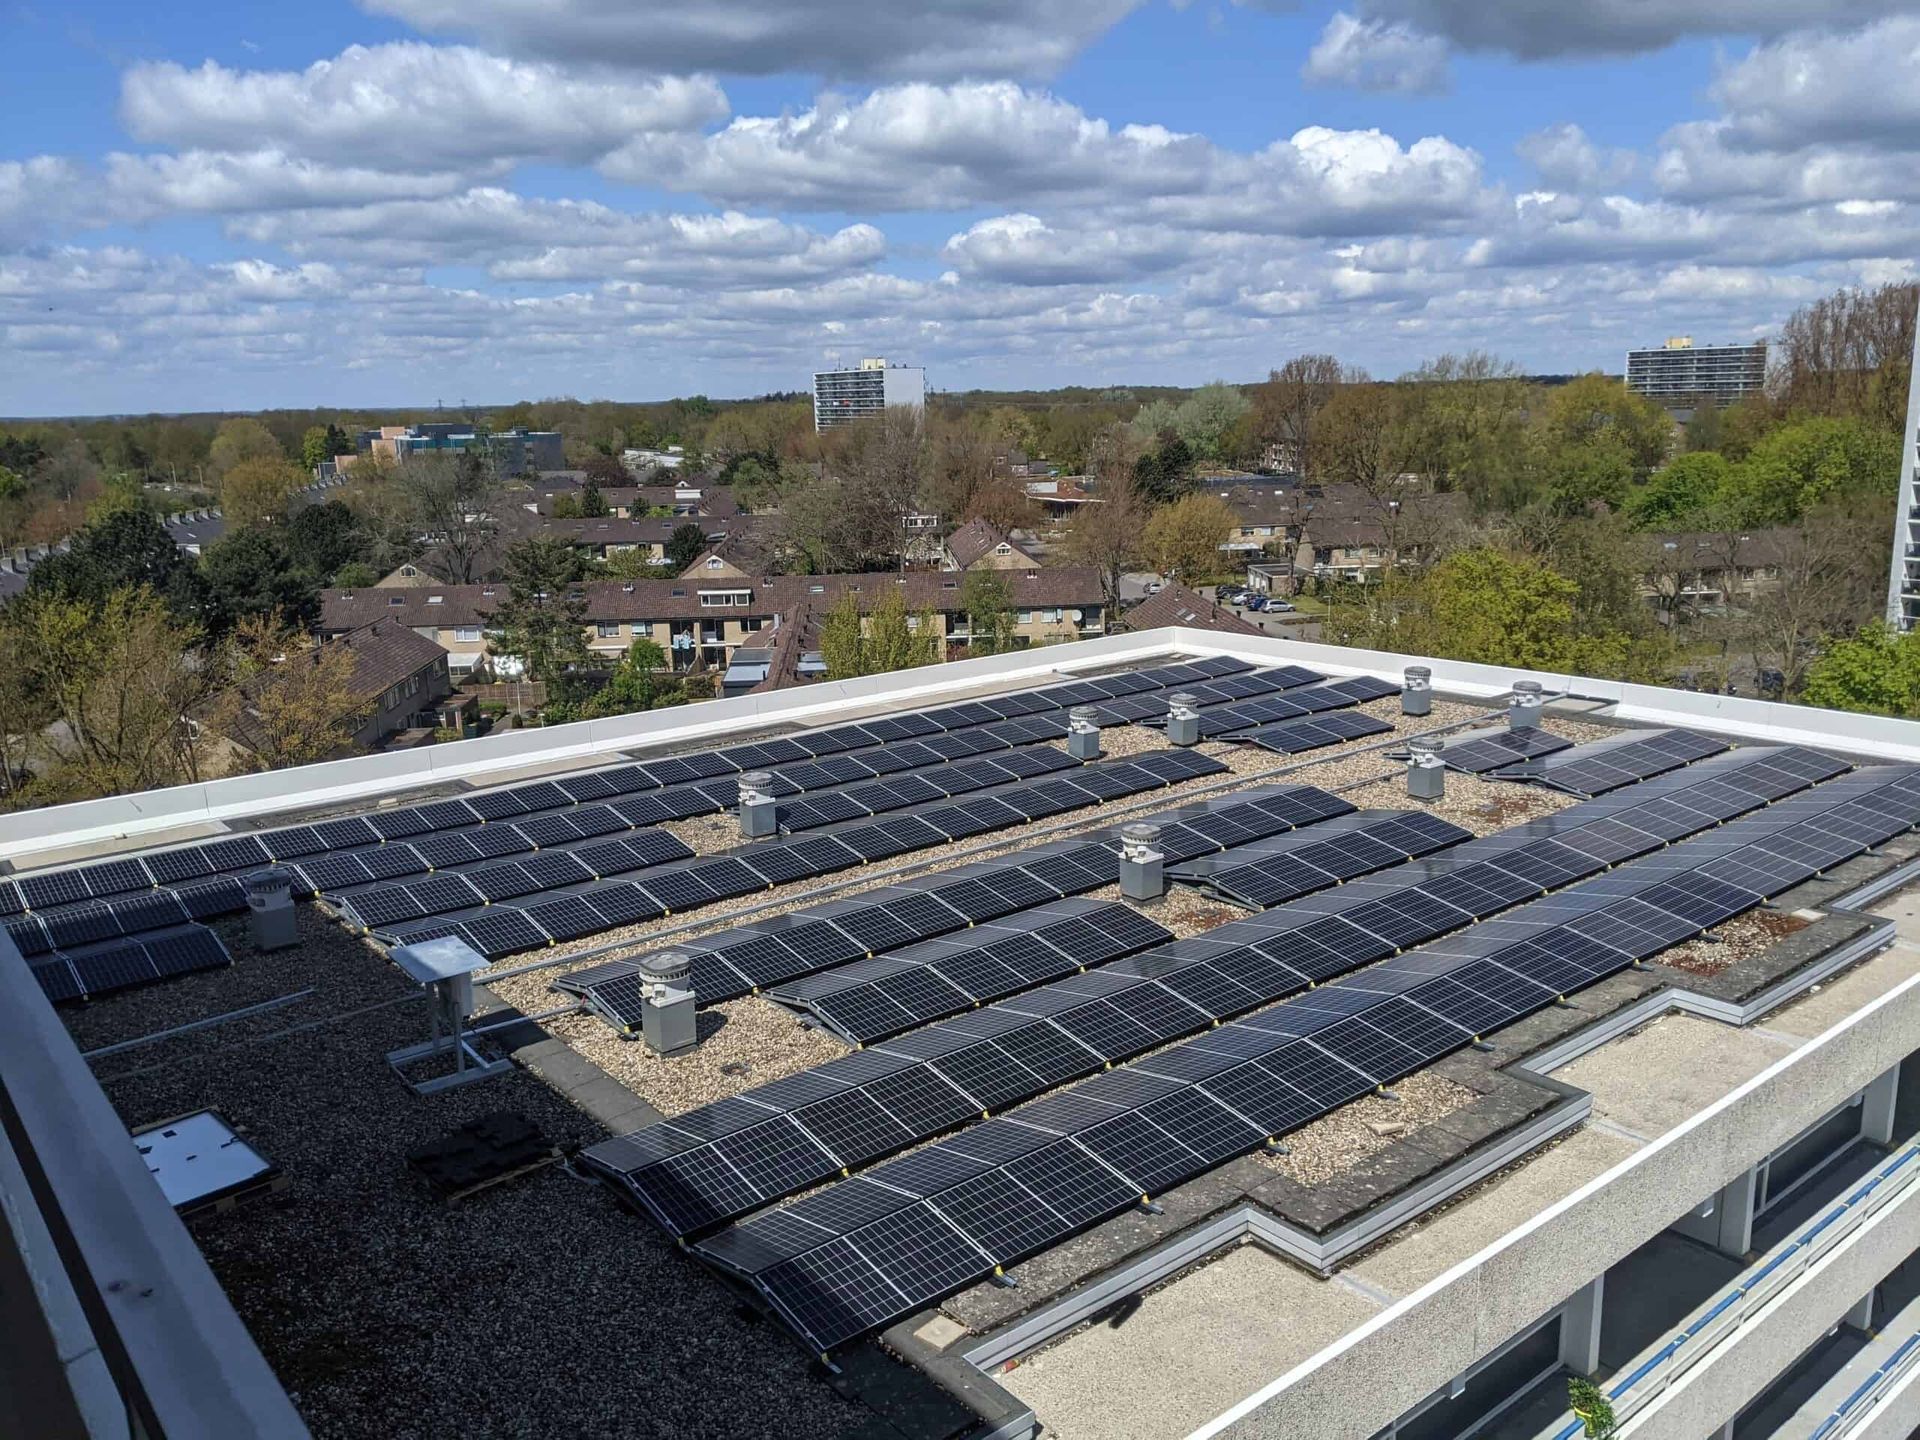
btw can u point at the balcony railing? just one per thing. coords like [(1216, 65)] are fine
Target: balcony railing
[(1699, 1339), (1858, 1405)]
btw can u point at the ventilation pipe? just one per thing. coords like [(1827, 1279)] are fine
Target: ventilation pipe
[(1416, 691), (1426, 771), (1083, 733), (1142, 865), (1523, 706), (1183, 719), (272, 920), (759, 811), (667, 1021)]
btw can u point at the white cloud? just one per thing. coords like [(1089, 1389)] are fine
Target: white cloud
[(411, 107), (1851, 89), (1380, 55), (1544, 29), (948, 148), (1025, 250), (1566, 159), (932, 39)]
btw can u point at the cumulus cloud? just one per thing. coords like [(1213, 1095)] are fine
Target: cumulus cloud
[(1565, 159), (1380, 55), (518, 239), (840, 39), (1855, 89), (1025, 250), (947, 148), (410, 107), (1545, 29)]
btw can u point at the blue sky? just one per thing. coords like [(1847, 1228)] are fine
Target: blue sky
[(226, 206)]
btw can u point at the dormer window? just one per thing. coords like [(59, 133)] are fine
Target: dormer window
[(436, 599), (396, 600)]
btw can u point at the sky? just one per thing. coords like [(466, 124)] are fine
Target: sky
[(410, 202)]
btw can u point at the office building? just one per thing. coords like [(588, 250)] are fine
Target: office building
[(1680, 372), (1586, 1047), (844, 397)]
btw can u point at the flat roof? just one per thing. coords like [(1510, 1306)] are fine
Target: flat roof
[(497, 1299)]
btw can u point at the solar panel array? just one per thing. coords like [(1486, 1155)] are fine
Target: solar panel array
[(1624, 759), (903, 792), (714, 1163), (573, 913), (1478, 753), (875, 1248), (204, 879), (1293, 704), (1294, 737), (803, 942), (869, 1000), (90, 970), (1271, 872)]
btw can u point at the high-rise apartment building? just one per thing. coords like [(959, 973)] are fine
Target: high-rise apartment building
[(842, 397), (1681, 370), (1903, 589)]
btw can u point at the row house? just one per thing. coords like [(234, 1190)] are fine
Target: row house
[(706, 615)]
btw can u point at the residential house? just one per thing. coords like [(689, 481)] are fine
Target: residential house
[(1700, 568), (1177, 605), (978, 545), (703, 621), (399, 674)]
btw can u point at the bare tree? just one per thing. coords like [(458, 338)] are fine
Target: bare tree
[(455, 500), (1288, 403), (1849, 354), (1107, 534), (1826, 570)]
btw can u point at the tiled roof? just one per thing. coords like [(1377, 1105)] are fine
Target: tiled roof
[(975, 540), (1177, 605), (610, 600)]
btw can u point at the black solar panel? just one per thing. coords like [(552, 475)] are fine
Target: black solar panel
[(1476, 754), (1606, 765)]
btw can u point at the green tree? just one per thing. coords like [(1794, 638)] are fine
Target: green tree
[(888, 638), (356, 575), (1165, 473), (988, 604), (323, 538), (257, 491), (256, 573), (1682, 493), (685, 545), (592, 504), (1597, 409), (1793, 469), (634, 684), (240, 440), (313, 447), (541, 622), (1877, 671), (1184, 538), (127, 550)]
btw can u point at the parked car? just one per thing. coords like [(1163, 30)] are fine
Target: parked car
[(1257, 602), (1281, 606)]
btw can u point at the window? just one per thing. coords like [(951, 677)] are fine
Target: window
[(749, 626), (1023, 617), (1048, 617), (608, 629), (436, 599), (714, 562), (467, 634), (816, 589), (1003, 548), (725, 599), (393, 600)]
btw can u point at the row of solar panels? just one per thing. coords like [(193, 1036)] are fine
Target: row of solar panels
[(452, 870), (1229, 719), (873, 1249), (1274, 871), (816, 759), (817, 938), (499, 930), (873, 999), (91, 970), (729, 1158), (1624, 759), (1047, 941), (1315, 732)]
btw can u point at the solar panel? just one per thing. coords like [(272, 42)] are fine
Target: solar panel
[(1605, 765), (1293, 737), (1478, 753)]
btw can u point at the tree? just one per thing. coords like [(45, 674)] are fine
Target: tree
[(1359, 438), (685, 545), (356, 575), (1683, 492), (605, 469), (453, 499), (1795, 468), (110, 685), (566, 507), (256, 492), (129, 549), (592, 504), (256, 574), (988, 604), (1829, 573), (239, 440), (313, 447), (541, 622), (632, 686), (324, 538), (1847, 356), (1598, 410), (1288, 403), (889, 639), (1165, 473), (1105, 535), (1877, 671), (289, 698), (1184, 538)]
